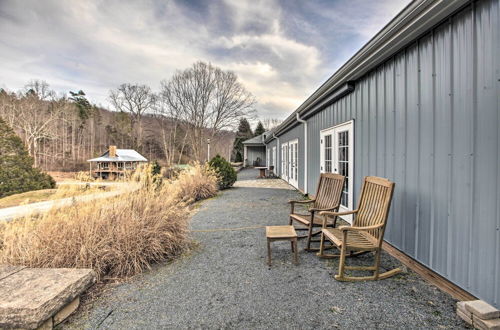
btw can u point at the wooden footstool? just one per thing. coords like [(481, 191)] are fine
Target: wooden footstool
[(281, 233)]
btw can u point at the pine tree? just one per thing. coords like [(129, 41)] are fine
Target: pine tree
[(16, 166), (244, 133), (259, 129)]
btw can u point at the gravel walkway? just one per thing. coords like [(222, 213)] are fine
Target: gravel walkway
[(226, 283), (14, 212)]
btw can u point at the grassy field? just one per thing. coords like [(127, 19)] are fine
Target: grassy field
[(49, 194)]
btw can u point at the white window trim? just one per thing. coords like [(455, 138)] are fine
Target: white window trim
[(349, 125), (294, 181)]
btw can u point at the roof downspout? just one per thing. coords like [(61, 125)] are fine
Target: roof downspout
[(305, 150), (278, 153)]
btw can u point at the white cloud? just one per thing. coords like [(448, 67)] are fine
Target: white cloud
[(95, 45)]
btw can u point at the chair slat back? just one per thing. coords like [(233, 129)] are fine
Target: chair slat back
[(329, 190), (374, 204)]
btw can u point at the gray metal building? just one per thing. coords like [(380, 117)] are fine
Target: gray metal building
[(418, 104), (254, 151)]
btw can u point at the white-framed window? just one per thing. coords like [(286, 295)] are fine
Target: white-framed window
[(337, 156)]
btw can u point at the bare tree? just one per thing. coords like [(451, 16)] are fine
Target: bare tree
[(35, 112), (206, 100), (270, 123), (7, 107), (40, 89), (136, 100)]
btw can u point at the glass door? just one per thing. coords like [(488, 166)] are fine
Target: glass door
[(337, 156)]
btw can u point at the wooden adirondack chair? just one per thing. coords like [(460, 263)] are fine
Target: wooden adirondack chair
[(327, 198), (367, 232)]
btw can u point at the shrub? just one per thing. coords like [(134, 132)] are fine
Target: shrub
[(225, 172), (17, 174), (155, 168), (116, 237)]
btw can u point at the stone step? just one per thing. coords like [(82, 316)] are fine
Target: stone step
[(479, 314), (482, 309), (34, 298)]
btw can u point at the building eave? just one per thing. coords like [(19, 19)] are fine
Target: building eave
[(414, 20)]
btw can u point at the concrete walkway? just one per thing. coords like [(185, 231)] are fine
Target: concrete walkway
[(226, 283)]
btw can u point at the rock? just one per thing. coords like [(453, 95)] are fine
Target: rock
[(7, 270), (463, 313), (482, 309), (47, 325), (492, 324), (32, 296), (66, 311)]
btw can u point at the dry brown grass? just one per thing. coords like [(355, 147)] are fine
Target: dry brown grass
[(117, 237), (196, 183)]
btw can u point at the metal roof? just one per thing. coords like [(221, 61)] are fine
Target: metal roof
[(122, 155), (259, 139)]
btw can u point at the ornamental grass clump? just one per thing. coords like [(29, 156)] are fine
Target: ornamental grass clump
[(117, 237), (196, 183)]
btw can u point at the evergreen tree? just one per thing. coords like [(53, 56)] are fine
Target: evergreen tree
[(16, 166), (226, 175), (244, 133), (82, 104), (259, 129)]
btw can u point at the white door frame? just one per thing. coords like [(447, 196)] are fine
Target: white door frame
[(274, 159), (284, 161), (331, 135), (293, 162), (268, 153)]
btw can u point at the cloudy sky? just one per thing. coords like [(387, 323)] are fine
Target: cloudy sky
[(281, 50)]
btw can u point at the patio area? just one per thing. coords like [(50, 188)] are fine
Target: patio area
[(226, 283)]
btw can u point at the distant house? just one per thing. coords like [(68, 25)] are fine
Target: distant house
[(115, 162), (254, 151)]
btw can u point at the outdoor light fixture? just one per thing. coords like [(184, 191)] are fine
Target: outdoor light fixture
[(208, 150)]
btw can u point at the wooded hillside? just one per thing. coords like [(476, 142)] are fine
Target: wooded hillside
[(171, 126)]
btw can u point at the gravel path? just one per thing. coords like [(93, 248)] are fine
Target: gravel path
[(226, 283), (13, 212)]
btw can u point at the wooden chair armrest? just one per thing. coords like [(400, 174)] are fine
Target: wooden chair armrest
[(292, 204), (329, 213), (324, 210), (326, 213), (366, 228), (302, 202)]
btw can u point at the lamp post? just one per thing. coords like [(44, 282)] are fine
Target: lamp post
[(208, 150)]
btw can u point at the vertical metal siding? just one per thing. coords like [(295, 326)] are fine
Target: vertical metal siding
[(295, 133), (429, 120), (270, 146)]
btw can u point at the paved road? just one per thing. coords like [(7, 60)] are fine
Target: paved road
[(226, 283), (9, 213)]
